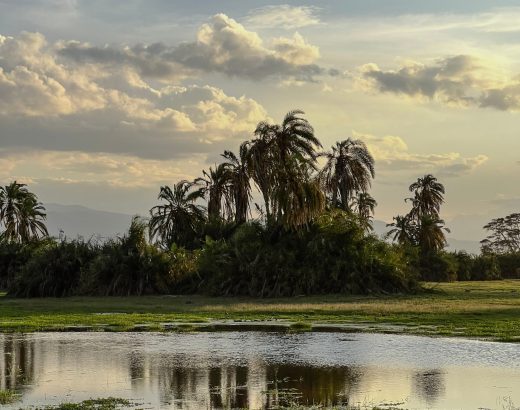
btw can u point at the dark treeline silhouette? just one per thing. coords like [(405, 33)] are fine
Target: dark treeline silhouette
[(311, 233)]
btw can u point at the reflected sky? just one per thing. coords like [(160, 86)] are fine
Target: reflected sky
[(260, 370)]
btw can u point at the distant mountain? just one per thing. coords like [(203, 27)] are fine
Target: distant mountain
[(76, 220)]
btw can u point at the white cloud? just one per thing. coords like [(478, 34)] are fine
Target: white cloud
[(391, 153), (76, 105), (283, 16), (222, 45), (296, 50)]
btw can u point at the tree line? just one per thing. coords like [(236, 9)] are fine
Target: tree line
[(311, 232)]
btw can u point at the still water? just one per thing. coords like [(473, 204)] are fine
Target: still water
[(261, 370)]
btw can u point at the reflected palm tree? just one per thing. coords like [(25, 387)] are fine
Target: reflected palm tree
[(17, 362), (429, 385)]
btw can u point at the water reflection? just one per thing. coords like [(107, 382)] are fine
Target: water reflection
[(17, 366), (264, 371), (429, 385)]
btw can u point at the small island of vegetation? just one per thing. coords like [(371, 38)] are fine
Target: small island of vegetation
[(309, 233)]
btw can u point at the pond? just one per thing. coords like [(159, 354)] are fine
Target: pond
[(261, 370)]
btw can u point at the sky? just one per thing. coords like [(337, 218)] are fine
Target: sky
[(102, 102)]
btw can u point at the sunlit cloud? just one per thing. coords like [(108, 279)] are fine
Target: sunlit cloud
[(74, 167), (283, 16), (392, 154), (72, 106), (222, 45), (460, 80)]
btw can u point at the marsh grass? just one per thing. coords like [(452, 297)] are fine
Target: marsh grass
[(8, 397), (110, 403), (488, 309), (300, 327)]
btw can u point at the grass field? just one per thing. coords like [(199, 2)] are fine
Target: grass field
[(488, 310)]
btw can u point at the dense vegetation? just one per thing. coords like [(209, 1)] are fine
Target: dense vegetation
[(311, 233)]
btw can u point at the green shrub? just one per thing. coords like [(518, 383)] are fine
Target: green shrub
[(53, 269), (332, 256)]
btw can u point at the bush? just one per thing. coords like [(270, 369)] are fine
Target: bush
[(125, 266), (438, 267), (53, 269), (509, 265), (12, 257), (485, 267), (332, 256)]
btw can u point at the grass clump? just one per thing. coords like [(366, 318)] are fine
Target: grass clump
[(8, 397), (110, 403), (300, 327)]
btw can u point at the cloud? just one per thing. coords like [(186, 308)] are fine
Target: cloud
[(459, 80), (392, 154), (295, 50), (50, 103), (116, 170), (283, 16), (222, 45)]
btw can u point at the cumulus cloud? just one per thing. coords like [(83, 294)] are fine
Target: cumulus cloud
[(459, 80), (222, 45), (50, 103), (283, 16), (392, 154)]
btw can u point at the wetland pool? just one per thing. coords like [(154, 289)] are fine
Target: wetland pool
[(260, 370)]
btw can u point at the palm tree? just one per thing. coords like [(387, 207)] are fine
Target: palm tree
[(239, 185), (349, 169), (217, 190), (260, 165), (21, 214), (403, 230), (364, 205), (428, 197), (282, 159), (430, 235), (178, 220)]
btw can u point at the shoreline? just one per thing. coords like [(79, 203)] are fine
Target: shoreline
[(478, 310)]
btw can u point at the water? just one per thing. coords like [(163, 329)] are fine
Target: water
[(260, 370)]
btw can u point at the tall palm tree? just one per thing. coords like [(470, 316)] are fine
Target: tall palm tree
[(403, 230), (428, 197), (430, 233), (21, 215), (178, 220), (289, 154), (261, 166), (239, 185), (216, 188), (282, 159), (348, 170), (364, 205)]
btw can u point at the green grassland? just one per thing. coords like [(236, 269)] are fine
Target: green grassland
[(488, 310)]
